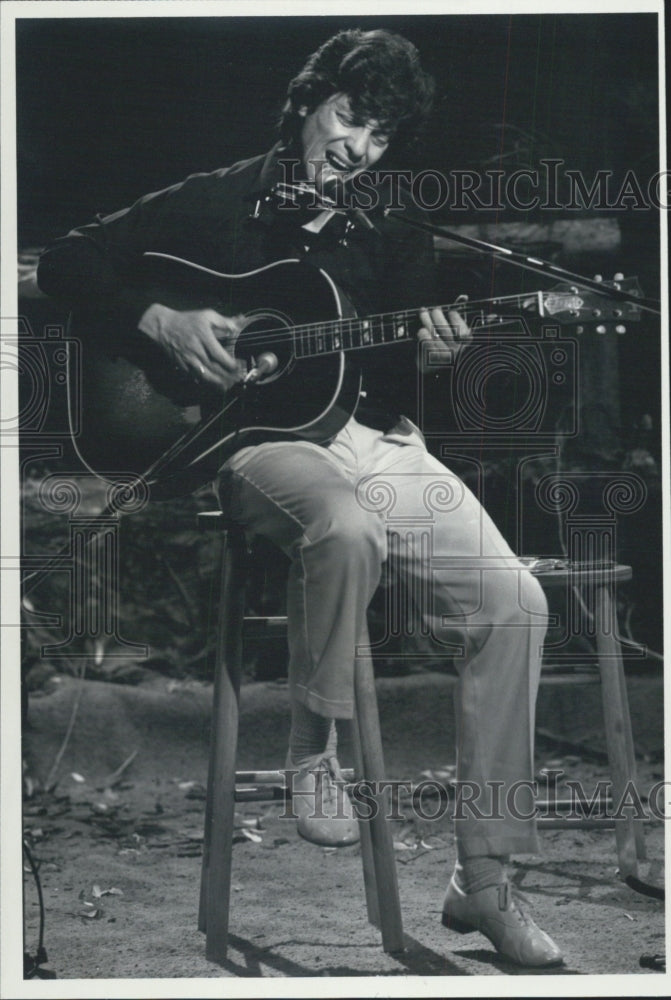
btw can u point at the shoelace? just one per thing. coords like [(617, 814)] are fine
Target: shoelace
[(509, 899), (327, 772)]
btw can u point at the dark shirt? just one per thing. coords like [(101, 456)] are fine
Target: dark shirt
[(221, 221)]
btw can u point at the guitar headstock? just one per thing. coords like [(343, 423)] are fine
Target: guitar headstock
[(567, 303)]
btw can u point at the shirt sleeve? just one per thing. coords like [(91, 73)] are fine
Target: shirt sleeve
[(100, 262)]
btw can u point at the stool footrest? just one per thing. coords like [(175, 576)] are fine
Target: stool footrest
[(268, 786), (255, 626), (274, 777)]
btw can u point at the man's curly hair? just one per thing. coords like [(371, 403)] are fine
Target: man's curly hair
[(381, 74)]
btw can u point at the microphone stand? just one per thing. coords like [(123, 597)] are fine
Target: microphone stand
[(335, 199), (535, 264)]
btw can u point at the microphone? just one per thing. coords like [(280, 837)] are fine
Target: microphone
[(334, 189), (266, 364), (332, 196)]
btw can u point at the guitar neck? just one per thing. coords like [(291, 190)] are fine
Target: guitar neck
[(331, 336), (563, 304)]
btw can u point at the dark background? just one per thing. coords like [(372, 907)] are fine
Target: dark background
[(110, 108)]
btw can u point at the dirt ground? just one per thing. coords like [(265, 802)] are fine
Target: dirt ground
[(119, 858)]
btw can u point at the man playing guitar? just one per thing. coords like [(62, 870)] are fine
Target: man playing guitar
[(360, 95)]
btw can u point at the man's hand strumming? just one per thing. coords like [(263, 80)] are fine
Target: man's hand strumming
[(193, 341)]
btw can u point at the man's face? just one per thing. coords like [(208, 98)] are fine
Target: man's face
[(335, 144)]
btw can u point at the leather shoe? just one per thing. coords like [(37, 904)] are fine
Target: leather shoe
[(496, 914), (321, 804)]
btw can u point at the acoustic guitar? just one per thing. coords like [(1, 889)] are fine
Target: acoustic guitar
[(140, 415)]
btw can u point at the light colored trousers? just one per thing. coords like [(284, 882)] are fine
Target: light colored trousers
[(339, 512)]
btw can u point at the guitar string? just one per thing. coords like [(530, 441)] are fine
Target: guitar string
[(268, 337), (190, 441), (278, 334)]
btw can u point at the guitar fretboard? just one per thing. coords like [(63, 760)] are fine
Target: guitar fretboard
[(348, 334), (328, 337), (562, 305)]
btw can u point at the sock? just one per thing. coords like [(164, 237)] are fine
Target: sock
[(312, 736), (473, 874)]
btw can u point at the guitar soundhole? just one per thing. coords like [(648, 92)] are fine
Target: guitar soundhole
[(266, 332)]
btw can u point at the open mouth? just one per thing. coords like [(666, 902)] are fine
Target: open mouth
[(336, 163)]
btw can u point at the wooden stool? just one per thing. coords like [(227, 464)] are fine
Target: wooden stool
[(379, 865), (597, 587)]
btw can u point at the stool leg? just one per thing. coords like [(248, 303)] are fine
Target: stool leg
[(382, 849), (619, 741), (205, 866), (220, 808), (369, 880), (639, 832)]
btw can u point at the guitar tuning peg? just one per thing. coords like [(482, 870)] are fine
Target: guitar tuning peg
[(598, 277), (618, 277), (620, 328)]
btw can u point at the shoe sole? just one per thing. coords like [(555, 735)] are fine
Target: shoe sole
[(454, 924), (324, 842)]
